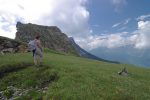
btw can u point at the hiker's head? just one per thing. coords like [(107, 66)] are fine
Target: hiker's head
[(37, 37)]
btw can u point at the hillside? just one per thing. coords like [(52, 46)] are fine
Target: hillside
[(64, 77), (11, 46), (51, 36), (85, 54)]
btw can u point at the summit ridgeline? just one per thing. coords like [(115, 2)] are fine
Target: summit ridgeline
[(51, 36)]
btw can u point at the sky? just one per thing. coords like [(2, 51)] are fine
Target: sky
[(92, 23)]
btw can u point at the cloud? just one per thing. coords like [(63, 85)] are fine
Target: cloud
[(143, 35), (105, 40), (143, 17), (72, 17), (69, 15), (118, 4), (122, 23), (126, 47), (138, 39), (6, 28), (115, 25)]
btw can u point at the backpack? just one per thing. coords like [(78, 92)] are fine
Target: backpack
[(32, 45)]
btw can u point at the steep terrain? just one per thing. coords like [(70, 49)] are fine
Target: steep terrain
[(11, 46), (51, 36)]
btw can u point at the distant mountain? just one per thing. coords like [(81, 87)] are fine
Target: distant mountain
[(127, 54), (51, 36), (86, 54)]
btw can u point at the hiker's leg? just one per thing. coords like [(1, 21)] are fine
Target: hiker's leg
[(41, 58), (35, 60), (40, 55), (33, 51)]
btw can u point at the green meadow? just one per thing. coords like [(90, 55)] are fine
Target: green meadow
[(68, 77)]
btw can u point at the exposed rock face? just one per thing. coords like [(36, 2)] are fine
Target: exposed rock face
[(51, 36), (11, 46)]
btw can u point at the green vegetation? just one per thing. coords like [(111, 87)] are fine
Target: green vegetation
[(66, 77)]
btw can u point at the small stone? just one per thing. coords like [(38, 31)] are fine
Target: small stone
[(123, 72)]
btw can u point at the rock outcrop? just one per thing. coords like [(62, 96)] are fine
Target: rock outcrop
[(123, 72), (11, 46), (51, 36)]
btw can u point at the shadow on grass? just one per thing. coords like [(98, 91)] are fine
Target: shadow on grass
[(32, 81), (8, 68)]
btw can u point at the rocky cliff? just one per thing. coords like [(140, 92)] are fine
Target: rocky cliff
[(11, 46), (51, 36)]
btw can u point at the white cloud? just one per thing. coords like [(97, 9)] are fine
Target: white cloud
[(116, 25), (105, 40), (122, 23), (7, 30), (143, 17), (143, 35), (138, 39), (70, 15)]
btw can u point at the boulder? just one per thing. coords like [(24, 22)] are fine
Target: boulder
[(11, 46), (123, 72)]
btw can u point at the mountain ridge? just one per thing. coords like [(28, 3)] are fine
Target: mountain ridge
[(85, 54), (51, 36)]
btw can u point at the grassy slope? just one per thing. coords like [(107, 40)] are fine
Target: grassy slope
[(75, 78)]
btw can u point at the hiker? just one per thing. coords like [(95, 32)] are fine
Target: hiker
[(36, 47)]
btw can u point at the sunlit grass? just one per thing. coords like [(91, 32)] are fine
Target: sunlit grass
[(76, 78)]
